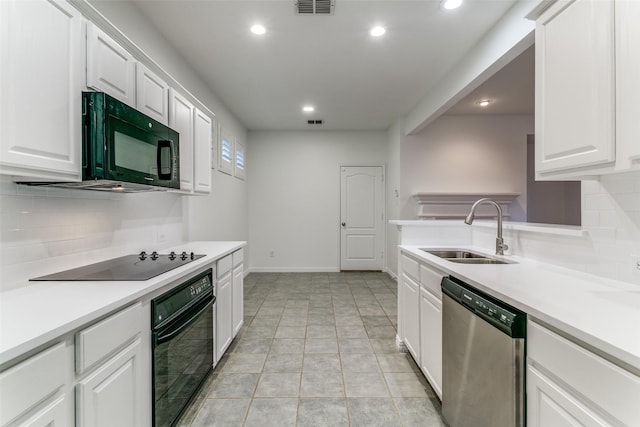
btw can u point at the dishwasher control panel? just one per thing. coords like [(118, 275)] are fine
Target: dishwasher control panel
[(489, 309), (508, 319)]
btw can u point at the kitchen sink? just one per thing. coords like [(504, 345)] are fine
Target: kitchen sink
[(453, 253), (477, 261), (462, 256)]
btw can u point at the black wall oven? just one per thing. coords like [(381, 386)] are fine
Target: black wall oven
[(182, 340)]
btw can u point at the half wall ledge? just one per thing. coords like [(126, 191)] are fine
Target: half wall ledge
[(458, 205)]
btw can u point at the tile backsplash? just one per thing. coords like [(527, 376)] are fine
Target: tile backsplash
[(611, 215), (45, 229), (611, 219)]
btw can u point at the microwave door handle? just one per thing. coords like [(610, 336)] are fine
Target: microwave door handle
[(164, 145)]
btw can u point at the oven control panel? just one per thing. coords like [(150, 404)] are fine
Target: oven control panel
[(181, 298)]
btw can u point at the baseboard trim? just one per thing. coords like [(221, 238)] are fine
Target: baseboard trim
[(294, 270)]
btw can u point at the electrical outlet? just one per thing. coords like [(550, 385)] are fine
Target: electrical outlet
[(272, 254), (635, 264), (161, 235)]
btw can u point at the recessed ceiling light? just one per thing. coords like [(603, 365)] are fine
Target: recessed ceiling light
[(308, 109), (451, 4), (377, 31), (258, 29), (484, 102)]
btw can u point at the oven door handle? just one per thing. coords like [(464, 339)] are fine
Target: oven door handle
[(167, 334)]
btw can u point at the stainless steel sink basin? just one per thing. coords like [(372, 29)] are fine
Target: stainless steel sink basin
[(462, 256), (453, 253), (477, 261)]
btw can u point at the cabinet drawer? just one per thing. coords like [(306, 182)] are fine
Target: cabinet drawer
[(610, 387), (430, 279), (28, 383), (411, 267), (224, 266), (105, 337), (238, 257)]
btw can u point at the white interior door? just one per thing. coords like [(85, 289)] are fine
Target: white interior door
[(361, 217)]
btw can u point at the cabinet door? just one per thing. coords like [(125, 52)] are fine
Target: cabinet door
[(52, 415), (548, 404), (202, 147), (111, 395), (40, 89), (238, 298), (152, 94), (224, 326), (40, 378), (627, 83), (181, 119), (431, 339), (110, 68), (411, 315), (575, 85)]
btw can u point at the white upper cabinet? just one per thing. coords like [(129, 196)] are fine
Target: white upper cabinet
[(181, 113), (110, 68), (575, 85), (40, 89), (152, 94), (203, 139), (587, 63), (627, 81)]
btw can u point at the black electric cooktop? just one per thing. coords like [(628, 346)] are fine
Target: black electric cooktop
[(130, 267)]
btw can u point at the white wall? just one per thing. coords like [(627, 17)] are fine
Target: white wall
[(294, 195), (475, 153), (393, 197)]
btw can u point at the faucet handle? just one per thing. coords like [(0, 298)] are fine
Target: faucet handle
[(501, 246)]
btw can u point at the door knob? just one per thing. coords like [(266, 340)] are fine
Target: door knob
[(344, 224)]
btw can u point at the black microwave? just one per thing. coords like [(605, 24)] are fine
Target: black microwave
[(124, 149)]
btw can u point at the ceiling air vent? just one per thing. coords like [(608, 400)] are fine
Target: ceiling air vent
[(314, 122), (315, 7)]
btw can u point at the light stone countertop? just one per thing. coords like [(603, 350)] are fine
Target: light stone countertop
[(36, 313), (602, 313)]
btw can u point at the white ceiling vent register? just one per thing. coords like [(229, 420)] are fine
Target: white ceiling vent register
[(315, 7)]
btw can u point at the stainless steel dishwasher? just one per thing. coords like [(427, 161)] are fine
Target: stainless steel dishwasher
[(483, 353)]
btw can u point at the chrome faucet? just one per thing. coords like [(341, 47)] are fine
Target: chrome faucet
[(500, 245)]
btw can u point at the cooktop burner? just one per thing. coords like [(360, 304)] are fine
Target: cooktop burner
[(130, 267)]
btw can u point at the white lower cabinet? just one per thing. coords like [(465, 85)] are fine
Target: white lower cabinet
[(224, 305), (110, 387), (224, 327), (37, 391), (238, 291), (431, 339), (568, 385), (411, 315), (229, 300), (549, 404), (111, 394), (420, 317)]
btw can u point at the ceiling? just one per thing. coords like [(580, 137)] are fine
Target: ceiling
[(355, 81), (510, 91)]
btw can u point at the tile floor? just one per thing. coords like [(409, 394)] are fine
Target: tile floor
[(316, 349)]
